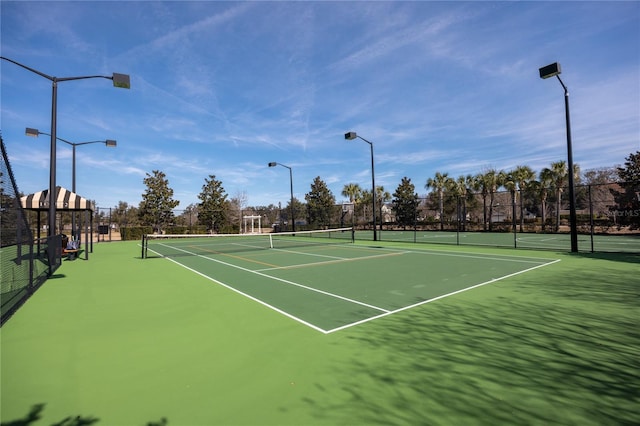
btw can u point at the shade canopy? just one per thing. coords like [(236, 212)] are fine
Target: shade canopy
[(65, 200)]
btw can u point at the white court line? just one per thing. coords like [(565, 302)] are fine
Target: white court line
[(327, 262), (326, 293), (469, 255), (286, 314), (309, 254), (438, 298), (385, 312)]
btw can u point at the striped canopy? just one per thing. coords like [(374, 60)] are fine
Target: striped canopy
[(65, 200)]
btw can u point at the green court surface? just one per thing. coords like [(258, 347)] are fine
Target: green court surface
[(333, 286), (353, 334)]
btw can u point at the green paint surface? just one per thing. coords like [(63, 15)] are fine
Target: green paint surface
[(126, 341)]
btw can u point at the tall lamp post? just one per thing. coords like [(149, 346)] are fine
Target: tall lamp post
[(109, 143), (351, 136), (548, 71), (119, 80), (293, 220)]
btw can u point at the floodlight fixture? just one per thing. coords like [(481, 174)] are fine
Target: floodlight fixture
[(119, 80), (550, 70), (109, 143), (31, 132), (553, 70), (350, 136)]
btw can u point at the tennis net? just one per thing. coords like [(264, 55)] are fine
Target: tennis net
[(154, 245)]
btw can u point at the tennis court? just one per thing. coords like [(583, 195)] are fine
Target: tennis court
[(551, 241), (330, 284), (119, 340)]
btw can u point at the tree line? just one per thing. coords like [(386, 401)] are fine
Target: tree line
[(528, 191)]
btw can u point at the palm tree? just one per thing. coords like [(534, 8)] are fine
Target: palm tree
[(382, 197), (559, 177), (522, 175), (545, 182), (461, 188), (471, 186), (439, 184), (488, 183), (510, 183), (352, 191), (481, 185)]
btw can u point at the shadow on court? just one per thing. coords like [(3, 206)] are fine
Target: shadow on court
[(539, 352), (615, 257), (36, 412)]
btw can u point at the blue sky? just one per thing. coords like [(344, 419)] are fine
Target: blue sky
[(223, 88)]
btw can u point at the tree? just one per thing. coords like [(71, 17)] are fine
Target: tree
[(124, 215), (156, 207), (522, 176), (602, 187), (320, 203), (488, 183), (630, 173), (482, 186), (405, 203), (382, 197), (559, 179), (213, 206), (189, 216), (363, 204), (544, 185), (461, 189), (601, 176), (284, 213), (352, 191), (237, 207), (268, 213), (439, 183), (511, 185), (629, 200)]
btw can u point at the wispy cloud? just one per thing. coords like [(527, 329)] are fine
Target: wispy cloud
[(222, 88)]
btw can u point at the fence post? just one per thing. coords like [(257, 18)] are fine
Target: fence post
[(591, 217), (515, 220), (458, 217)]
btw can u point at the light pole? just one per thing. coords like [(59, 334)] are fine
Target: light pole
[(351, 136), (293, 220), (552, 70), (108, 143), (119, 80)]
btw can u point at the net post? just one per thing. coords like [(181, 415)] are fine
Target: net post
[(144, 246)]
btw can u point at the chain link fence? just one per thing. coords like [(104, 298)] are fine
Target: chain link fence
[(607, 219), (25, 262)]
